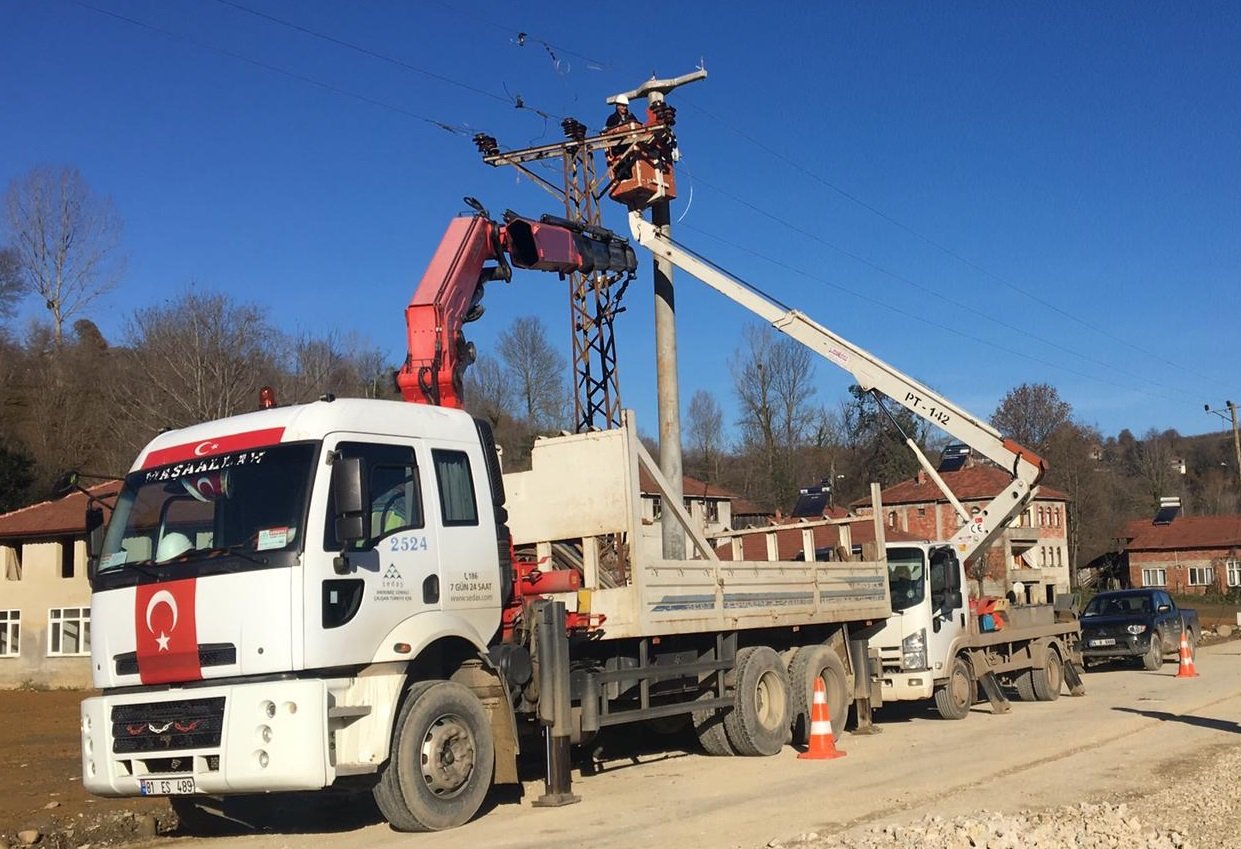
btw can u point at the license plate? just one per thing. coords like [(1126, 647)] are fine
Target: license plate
[(1104, 642), (166, 786)]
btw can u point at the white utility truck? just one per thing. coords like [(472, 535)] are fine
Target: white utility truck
[(933, 645)]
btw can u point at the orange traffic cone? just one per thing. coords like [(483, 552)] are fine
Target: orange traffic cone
[(822, 745), (1187, 658)]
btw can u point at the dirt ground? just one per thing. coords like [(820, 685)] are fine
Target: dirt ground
[(41, 766)]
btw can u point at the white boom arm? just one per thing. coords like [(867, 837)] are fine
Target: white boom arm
[(1026, 467)]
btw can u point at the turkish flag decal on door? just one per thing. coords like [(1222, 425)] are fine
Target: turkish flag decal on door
[(167, 635)]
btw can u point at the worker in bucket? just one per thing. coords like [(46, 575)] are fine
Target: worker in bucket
[(622, 115)]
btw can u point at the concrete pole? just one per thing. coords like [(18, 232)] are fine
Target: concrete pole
[(668, 391), (1236, 437)]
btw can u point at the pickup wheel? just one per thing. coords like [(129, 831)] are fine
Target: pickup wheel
[(1048, 680), (954, 698), (809, 663), (1152, 661), (442, 759), (758, 724)]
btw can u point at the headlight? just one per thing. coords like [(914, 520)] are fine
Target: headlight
[(1136, 629), (913, 650)]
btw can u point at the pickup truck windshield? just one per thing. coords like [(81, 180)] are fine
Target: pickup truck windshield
[(244, 507), (1124, 605), (906, 577)]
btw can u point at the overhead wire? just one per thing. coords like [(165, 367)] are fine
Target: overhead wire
[(923, 288), (1128, 342), (176, 36)]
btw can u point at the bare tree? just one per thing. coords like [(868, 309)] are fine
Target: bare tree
[(1030, 414), (537, 372), (11, 285), (488, 391), (67, 240), (772, 376), (201, 357), (705, 429)]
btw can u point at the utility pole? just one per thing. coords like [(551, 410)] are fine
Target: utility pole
[(668, 392), (1236, 435)]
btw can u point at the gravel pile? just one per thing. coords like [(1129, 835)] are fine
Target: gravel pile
[(1201, 810)]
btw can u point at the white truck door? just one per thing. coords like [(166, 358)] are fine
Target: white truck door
[(390, 576)]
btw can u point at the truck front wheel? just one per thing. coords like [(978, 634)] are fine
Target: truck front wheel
[(442, 759), (1152, 661), (955, 696)]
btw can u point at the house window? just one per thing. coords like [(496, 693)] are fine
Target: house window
[(657, 507), (1234, 572), (713, 511), (1059, 557), (892, 519), (1201, 576), (1055, 517), (11, 558), (70, 631), (10, 633), (66, 558), (1154, 577)]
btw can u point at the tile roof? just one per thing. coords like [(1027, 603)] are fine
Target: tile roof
[(52, 518), (973, 483), (690, 487), (1184, 532)]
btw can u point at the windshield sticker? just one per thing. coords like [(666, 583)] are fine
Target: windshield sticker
[(114, 559), (215, 464), (272, 538)]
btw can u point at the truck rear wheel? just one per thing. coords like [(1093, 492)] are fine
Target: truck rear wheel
[(1023, 682), (442, 759), (758, 724), (1048, 680), (955, 697), (809, 663)]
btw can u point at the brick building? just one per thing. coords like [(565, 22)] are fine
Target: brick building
[(1192, 555), (1033, 550)]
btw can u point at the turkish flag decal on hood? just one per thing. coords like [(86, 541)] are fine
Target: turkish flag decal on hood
[(167, 635)]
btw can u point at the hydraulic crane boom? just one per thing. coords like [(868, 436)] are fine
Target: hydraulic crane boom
[(473, 252), (874, 375)]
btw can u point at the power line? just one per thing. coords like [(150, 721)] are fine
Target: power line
[(964, 306), (914, 316), (930, 241), (176, 36), (517, 100)]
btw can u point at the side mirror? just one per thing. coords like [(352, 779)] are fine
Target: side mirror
[(952, 599), (65, 484), (351, 500), (1163, 608), (94, 539)]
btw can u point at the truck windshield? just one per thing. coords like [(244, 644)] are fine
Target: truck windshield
[(1117, 605), (906, 577), (244, 509)]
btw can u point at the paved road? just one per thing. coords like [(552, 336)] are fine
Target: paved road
[(1132, 730)]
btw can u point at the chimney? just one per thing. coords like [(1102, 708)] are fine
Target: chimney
[(921, 476)]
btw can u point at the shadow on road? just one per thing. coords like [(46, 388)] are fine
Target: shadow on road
[(1199, 721)]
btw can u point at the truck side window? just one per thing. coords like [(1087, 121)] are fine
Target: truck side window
[(456, 486), (392, 481)]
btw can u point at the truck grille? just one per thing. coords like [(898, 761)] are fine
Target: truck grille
[(209, 654), (167, 726)]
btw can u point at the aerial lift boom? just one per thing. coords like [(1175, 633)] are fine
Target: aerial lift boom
[(978, 528)]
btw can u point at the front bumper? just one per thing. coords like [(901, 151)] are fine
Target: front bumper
[(1127, 645), (907, 686), (241, 738)]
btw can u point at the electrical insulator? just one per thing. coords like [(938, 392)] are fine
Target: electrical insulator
[(573, 129), (486, 144)]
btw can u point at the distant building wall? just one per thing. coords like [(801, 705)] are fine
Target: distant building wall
[(1195, 571), (44, 614)]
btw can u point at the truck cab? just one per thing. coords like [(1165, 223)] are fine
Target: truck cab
[(229, 590), (928, 617)]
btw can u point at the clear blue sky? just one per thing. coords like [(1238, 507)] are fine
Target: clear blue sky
[(983, 194)]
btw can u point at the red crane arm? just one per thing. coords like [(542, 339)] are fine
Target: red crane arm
[(474, 251)]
